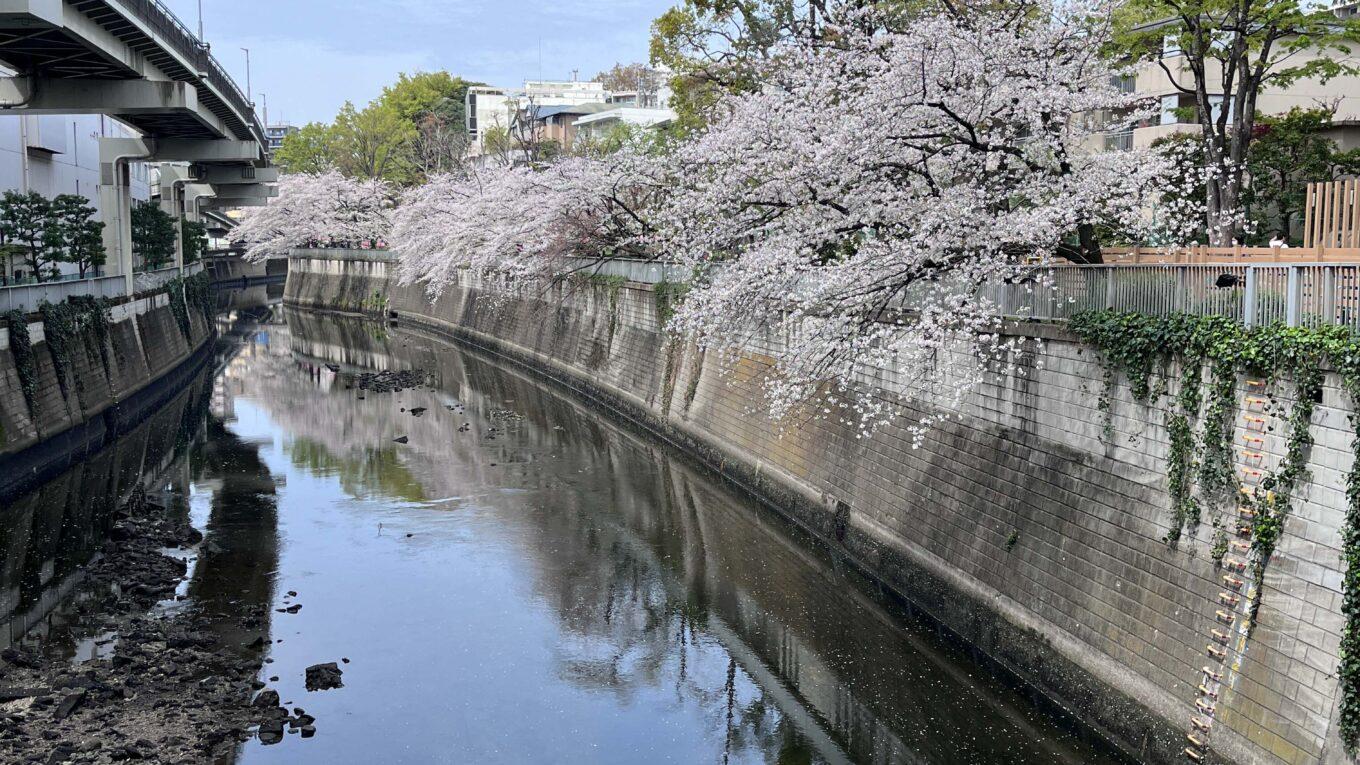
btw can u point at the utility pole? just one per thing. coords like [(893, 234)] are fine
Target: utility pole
[(264, 98), (200, 20), (250, 100)]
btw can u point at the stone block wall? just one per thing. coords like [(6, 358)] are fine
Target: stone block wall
[(1019, 526), (73, 417)]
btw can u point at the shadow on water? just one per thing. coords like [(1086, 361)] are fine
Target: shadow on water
[(521, 580)]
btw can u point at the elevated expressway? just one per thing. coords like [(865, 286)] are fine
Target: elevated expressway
[(134, 60)]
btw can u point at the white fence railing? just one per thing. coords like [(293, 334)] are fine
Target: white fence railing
[(28, 297), (1298, 294), (1307, 294)]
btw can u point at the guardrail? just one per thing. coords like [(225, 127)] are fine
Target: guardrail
[(1297, 294), (634, 270), (160, 18), (1305, 294), (28, 297)]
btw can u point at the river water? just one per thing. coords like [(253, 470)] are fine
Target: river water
[(522, 580)]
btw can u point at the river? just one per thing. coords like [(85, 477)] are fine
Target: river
[(505, 575)]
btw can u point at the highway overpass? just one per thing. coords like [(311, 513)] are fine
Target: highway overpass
[(134, 60)]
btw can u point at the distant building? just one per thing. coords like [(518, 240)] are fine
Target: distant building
[(488, 107), (276, 133), (558, 123), (598, 125), (58, 155)]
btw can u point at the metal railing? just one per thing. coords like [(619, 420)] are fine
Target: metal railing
[(26, 298), (155, 15), (1306, 294), (634, 270), (1297, 294)]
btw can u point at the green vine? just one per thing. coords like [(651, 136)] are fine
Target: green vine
[(60, 328), (198, 294), (94, 323), (179, 305), (667, 296), (25, 362), (1133, 343), (1349, 670)]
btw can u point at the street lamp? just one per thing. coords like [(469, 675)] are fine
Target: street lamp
[(200, 20), (249, 99)]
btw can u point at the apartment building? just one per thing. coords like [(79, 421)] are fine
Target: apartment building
[(1176, 107), (490, 107), (275, 134)]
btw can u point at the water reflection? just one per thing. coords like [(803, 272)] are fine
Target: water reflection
[(520, 581), (683, 622)]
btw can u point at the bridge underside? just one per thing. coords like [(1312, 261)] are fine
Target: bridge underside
[(96, 40)]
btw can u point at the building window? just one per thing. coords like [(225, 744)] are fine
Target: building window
[(1169, 106)]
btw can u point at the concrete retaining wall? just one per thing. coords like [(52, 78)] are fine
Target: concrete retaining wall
[(1017, 527), (148, 358)]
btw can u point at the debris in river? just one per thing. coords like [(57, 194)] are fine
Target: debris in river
[(389, 381), (321, 677)]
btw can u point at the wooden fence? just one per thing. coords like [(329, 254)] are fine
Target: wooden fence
[(1331, 216), (1236, 254)]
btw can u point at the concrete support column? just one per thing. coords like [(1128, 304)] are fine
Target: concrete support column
[(115, 202), (172, 182)]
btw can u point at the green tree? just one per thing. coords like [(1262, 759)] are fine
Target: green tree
[(153, 236), (195, 239), (373, 143), (75, 234), (27, 218), (713, 47), (1232, 50), (1288, 152), (418, 95), (310, 150), (636, 76)]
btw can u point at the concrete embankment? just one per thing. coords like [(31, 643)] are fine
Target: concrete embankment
[(79, 399), (1030, 528)]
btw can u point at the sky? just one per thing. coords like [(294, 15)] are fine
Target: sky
[(310, 56)]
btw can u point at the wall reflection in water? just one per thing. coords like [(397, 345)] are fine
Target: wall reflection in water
[(666, 588), (521, 581)]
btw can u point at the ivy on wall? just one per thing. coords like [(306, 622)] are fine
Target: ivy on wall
[(94, 321), (80, 319), (179, 305), (667, 295), (198, 294), (1136, 344), (25, 362)]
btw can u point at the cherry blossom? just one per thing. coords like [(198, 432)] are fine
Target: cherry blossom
[(853, 219), (521, 221), (325, 209)]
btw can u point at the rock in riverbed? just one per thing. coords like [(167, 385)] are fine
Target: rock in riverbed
[(321, 677)]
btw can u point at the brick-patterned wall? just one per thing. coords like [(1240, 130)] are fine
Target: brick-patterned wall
[(144, 345), (1089, 605)]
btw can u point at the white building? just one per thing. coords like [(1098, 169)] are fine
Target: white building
[(488, 107), (58, 155), (598, 125)]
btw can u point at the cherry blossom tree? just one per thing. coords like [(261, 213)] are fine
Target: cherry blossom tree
[(311, 210), (853, 217), (523, 221)]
